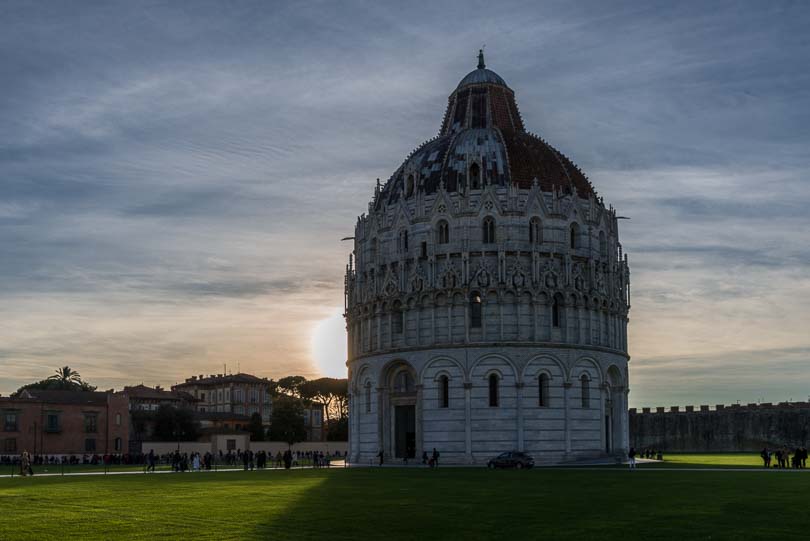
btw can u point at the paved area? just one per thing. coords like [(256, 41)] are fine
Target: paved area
[(140, 471), (585, 467)]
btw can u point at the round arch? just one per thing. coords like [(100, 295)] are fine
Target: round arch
[(587, 361), (507, 360), (464, 375), (537, 358)]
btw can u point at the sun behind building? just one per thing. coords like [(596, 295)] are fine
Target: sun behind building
[(487, 303)]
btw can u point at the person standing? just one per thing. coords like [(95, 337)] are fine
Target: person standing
[(150, 461), (380, 456), (435, 458), (632, 456), (25, 464)]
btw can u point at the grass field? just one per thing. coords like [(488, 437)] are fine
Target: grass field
[(714, 460), (391, 503)]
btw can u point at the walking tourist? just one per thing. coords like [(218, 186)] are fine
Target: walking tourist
[(435, 458), (150, 461), (25, 464), (632, 456)]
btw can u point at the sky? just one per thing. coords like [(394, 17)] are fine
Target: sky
[(175, 177)]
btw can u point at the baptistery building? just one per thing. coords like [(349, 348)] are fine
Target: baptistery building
[(487, 298)]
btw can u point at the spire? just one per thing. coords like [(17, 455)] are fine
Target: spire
[(481, 64)]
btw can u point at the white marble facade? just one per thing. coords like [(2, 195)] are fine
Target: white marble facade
[(487, 311)]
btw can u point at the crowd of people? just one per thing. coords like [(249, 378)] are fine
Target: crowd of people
[(431, 460), (783, 458), (652, 454), (180, 462)]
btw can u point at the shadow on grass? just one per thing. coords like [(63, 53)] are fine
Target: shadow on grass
[(394, 504)]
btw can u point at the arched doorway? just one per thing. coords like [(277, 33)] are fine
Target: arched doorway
[(401, 430)]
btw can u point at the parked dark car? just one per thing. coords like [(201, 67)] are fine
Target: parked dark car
[(511, 459)]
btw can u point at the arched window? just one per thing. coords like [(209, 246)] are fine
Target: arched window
[(444, 392), (403, 241), (493, 390), (368, 397), (555, 311), (488, 230), (403, 382), (542, 389), (535, 231), (372, 245), (475, 311), (442, 232), (602, 245), (574, 234), (409, 186), (586, 391), (396, 318), (475, 177)]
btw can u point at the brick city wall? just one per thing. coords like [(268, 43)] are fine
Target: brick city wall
[(722, 428)]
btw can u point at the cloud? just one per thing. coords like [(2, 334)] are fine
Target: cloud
[(175, 181)]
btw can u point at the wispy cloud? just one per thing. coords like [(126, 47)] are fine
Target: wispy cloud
[(174, 181)]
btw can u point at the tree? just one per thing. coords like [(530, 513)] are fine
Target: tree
[(291, 385), (141, 422), (255, 428), (66, 375), (175, 424), (287, 420), (338, 429), (333, 393), (65, 379)]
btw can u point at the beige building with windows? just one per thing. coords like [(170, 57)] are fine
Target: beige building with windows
[(242, 394), (487, 298)]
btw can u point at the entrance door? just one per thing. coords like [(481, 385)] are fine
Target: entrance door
[(405, 427)]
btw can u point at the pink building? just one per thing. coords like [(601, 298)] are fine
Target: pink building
[(64, 423)]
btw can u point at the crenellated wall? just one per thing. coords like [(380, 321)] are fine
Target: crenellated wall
[(722, 428)]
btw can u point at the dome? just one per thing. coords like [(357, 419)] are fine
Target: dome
[(482, 125), (481, 76)]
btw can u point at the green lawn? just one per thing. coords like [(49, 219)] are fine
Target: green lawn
[(448, 503), (709, 460)]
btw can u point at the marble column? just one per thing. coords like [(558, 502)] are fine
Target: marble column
[(519, 397), (566, 389), (468, 421)]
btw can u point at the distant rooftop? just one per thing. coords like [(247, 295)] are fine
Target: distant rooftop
[(218, 379), (62, 397), (156, 393)]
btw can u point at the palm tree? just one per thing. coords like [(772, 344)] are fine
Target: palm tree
[(67, 377)]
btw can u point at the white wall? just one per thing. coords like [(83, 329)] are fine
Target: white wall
[(164, 447)]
